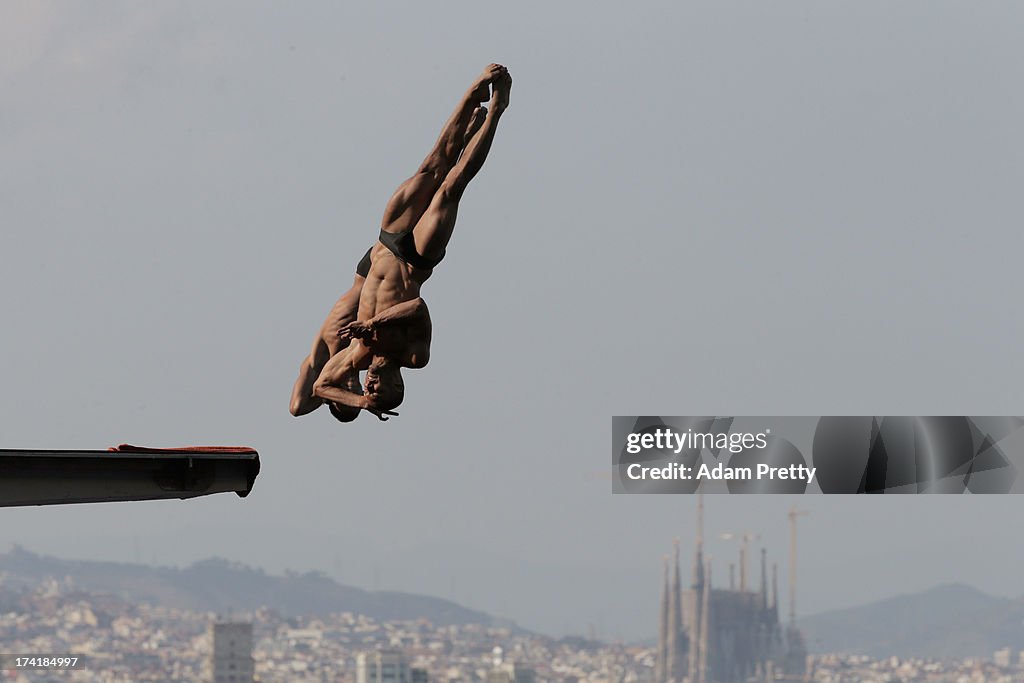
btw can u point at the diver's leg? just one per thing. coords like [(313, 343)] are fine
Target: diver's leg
[(413, 196), (456, 131), (434, 229)]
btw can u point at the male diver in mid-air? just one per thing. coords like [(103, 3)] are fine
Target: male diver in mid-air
[(381, 324)]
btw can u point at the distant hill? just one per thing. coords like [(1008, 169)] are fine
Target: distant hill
[(950, 621), (217, 585)]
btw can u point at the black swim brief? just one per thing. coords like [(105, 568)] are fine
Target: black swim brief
[(402, 245), (363, 269)]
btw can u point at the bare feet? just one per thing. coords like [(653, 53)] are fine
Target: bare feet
[(501, 90), (479, 91)]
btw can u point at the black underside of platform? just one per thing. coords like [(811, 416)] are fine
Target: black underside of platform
[(37, 477)]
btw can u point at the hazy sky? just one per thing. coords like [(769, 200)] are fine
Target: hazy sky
[(690, 208)]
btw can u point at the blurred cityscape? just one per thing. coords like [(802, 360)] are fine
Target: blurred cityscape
[(122, 641), (222, 622)]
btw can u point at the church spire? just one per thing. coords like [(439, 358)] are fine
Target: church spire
[(775, 588), (698, 559), (659, 664), (705, 627), (696, 626), (764, 579), (674, 623)]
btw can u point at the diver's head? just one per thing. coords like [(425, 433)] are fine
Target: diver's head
[(346, 412), (383, 388), (342, 412)]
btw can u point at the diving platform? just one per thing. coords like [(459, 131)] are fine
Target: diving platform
[(124, 473)]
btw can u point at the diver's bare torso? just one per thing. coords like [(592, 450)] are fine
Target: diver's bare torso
[(389, 282)]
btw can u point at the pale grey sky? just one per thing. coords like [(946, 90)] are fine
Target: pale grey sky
[(698, 208)]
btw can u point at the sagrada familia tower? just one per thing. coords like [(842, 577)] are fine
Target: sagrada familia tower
[(712, 635)]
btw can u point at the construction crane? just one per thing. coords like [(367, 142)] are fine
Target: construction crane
[(793, 515), (744, 537)]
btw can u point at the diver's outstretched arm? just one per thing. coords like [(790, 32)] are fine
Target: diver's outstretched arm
[(338, 373)]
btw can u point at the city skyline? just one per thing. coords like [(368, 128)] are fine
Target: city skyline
[(117, 641), (627, 589)]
